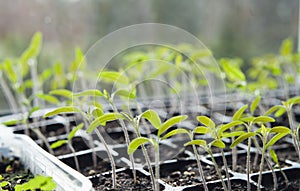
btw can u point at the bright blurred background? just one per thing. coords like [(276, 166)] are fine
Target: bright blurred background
[(230, 28)]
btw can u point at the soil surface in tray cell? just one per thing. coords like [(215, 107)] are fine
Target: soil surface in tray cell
[(86, 163), (287, 152), (241, 163), (236, 185), (13, 171), (125, 182), (291, 184), (184, 173), (78, 144)]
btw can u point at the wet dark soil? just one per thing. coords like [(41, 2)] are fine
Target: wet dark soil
[(125, 182), (13, 172)]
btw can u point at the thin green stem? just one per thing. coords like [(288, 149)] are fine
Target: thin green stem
[(75, 156), (112, 161), (234, 156), (201, 173), (226, 169), (43, 138), (157, 165), (294, 132), (248, 165), (127, 140), (144, 150), (261, 167), (90, 140), (273, 174), (217, 169), (8, 95)]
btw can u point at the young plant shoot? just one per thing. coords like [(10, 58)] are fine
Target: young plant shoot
[(217, 133), (286, 107), (249, 123), (264, 133), (71, 135), (162, 128)]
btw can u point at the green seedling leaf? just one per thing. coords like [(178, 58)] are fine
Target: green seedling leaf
[(103, 119), (263, 119), (232, 134), (112, 76), (161, 69), (3, 184), (48, 98), (10, 72), (274, 109), (230, 125), (201, 130), (18, 187), (175, 132), (280, 129), (238, 114), (178, 59), (125, 93), (48, 184), (275, 139), (39, 182), (97, 112), (196, 142), (170, 122), (60, 110), (218, 143), (152, 117), (135, 143), (254, 104), (58, 144), (274, 156), (241, 138), (78, 62), (62, 92), (127, 116), (11, 122), (45, 75), (93, 93), (74, 130), (247, 119), (280, 112), (232, 72), (206, 121), (294, 100), (263, 130), (286, 47), (31, 52), (34, 109)]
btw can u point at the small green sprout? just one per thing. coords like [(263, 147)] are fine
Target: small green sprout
[(37, 183), (286, 107), (264, 133), (248, 122), (93, 124), (217, 133), (162, 128), (71, 135)]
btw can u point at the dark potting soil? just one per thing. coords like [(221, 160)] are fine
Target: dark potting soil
[(125, 182), (78, 144), (188, 174), (293, 185), (102, 166), (235, 186), (13, 171), (241, 163), (287, 153)]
